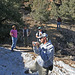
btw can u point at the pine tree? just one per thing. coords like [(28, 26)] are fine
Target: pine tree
[(67, 10), (54, 10), (40, 10)]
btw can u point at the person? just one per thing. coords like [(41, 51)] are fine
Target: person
[(13, 34), (39, 33), (58, 22), (44, 60), (26, 35)]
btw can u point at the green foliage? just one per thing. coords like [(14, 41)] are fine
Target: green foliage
[(54, 10), (40, 10), (26, 0), (9, 13), (9, 10), (66, 10)]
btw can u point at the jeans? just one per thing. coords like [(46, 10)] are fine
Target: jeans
[(58, 25), (14, 40), (25, 41)]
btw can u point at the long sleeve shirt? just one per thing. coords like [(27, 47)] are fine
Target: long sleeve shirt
[(45, 54)]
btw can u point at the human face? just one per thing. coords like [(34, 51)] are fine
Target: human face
[(40, 30), (14, 28), (43, 40)]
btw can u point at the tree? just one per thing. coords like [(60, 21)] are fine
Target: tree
[(40, 10), (9, 11), (67, 10), (54, 10)]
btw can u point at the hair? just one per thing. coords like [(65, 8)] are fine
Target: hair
[(13, 26)]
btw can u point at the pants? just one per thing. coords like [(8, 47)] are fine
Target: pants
[(36, 67), (14, 41), (58, 25), (25, 41)]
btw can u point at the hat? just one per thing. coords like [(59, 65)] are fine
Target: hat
[(43, 35), (39, 27)]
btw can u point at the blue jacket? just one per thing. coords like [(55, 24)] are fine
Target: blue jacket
[(46, 54)]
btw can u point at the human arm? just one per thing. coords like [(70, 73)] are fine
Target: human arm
[(23, 32), (29, 32), (36, 47), (11, 33)]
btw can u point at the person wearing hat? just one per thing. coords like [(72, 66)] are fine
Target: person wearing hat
[(39, 33), (13, 34), (44, 60)]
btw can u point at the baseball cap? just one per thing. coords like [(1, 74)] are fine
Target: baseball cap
[(39, 27), (43, 35)]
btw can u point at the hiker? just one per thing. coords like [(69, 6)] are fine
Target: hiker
[(13, 34), (39, 33), (26, 35), (58, 22), (44, 60)]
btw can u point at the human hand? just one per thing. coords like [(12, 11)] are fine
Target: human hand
[(35, 43)]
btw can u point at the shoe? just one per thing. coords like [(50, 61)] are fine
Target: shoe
[(15, 48), (26, 46), (26, 72), (12, 50)]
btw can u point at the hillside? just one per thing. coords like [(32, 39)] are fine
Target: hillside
[(14, 63)]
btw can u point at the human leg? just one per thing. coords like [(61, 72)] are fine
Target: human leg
[(57, 25), (12, 47), (41, 70), (33, 68), (25, 41), (15, 41)]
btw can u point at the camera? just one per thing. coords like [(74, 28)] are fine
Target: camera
[(35, 42)]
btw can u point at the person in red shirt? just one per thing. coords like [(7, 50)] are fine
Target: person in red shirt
[(58, 22)]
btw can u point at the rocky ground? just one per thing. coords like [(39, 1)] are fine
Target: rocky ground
[(15, 63)]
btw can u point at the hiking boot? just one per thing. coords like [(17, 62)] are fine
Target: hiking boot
[(15, 48), (12, 50), (26, 72)]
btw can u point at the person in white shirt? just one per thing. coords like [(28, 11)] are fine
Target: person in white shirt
[(39, 33)]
